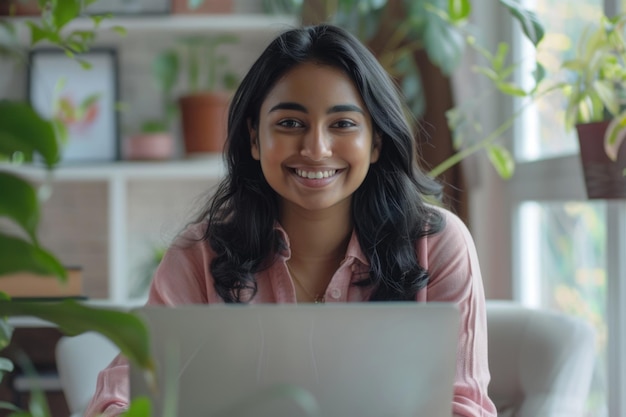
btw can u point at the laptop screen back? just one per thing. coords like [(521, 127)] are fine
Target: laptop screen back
[(357, 359)]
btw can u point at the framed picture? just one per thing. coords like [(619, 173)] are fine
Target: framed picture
[(84, 100)]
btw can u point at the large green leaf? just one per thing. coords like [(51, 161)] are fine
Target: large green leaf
[(27, 132), (531, 25), (19, 202), (443, 43), (17, 255), (124, 329)]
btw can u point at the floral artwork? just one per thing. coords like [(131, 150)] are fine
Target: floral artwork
[(82, 99), (78, 117)]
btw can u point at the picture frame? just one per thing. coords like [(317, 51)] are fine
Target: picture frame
[(84, 100)]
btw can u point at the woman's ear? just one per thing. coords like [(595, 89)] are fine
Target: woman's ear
[(377, 143), (254, 141)]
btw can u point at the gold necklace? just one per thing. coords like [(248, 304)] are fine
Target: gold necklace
[(317, 299)]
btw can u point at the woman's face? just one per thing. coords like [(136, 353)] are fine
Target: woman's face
[(314, 138)]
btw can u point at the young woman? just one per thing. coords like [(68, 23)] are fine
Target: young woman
[(323, 202)]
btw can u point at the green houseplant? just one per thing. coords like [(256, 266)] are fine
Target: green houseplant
[(594, 87), (25, 135), (201, 70), (154, 140), (397, 30)]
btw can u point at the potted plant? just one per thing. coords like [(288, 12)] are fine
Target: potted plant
[(595, 94), (207, 87), (154, 141)]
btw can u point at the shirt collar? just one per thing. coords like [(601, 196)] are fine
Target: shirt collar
[(354, 250)]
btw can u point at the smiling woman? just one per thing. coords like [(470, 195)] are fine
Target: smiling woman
[(323, 201)]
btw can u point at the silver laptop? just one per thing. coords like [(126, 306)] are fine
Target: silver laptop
[(286, 360)]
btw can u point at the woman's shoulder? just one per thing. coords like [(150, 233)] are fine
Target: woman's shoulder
[(450, 222), (453, 234)]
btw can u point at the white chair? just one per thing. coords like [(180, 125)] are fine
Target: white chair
[(79, 360), (541, 361)]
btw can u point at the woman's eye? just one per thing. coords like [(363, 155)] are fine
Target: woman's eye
[(342, 124), (290, 123)]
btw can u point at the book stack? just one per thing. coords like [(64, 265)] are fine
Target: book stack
[(28, 286)]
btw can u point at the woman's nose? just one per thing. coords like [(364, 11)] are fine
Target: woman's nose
[(317, 144)]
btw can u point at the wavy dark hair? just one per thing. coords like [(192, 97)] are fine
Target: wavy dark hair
[(389, 211)]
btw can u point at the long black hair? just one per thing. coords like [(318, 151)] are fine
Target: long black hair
[(388, 209)]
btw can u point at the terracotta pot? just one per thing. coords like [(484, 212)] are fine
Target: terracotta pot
[(21, 8), (604, 178), (207, 7), (204, 117), (149, 146)]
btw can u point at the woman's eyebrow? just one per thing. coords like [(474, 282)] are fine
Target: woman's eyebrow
[(289, 106), (339, 108)]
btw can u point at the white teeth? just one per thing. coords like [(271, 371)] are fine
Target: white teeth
[(315, 174)]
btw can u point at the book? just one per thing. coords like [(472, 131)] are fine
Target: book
[(31, 286)]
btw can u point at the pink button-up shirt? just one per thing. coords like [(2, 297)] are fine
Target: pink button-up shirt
[(183, 277)]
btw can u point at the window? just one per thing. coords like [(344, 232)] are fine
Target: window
[(567, 250)]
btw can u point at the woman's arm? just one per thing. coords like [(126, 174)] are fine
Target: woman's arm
[(451, 259)]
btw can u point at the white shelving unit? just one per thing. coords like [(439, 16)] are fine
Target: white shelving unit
[(118, 176)]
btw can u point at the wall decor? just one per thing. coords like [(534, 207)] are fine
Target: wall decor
[(83, 100)]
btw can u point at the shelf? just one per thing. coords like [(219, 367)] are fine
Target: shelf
[(175, 23), (200, 168)]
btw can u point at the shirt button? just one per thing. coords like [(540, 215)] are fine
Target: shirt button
[(335, 293)]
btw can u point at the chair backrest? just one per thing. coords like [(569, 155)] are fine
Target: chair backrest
[(79, 360), (541, 361)]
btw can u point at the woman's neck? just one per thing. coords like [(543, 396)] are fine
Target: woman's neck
[(318, 240)]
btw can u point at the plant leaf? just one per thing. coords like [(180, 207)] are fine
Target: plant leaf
[(165, 69), (6, 330), (139, 407), (6, 365), (19, 203), (126, 330), (502, 160), (532, 27), (27, 132), (17, 255), (511, 89), (459, 10), (8, 406), (606, 92), (65, 11), (443, 43), (614, 136)]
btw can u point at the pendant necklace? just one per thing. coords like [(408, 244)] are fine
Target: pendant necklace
[(317, 299)]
